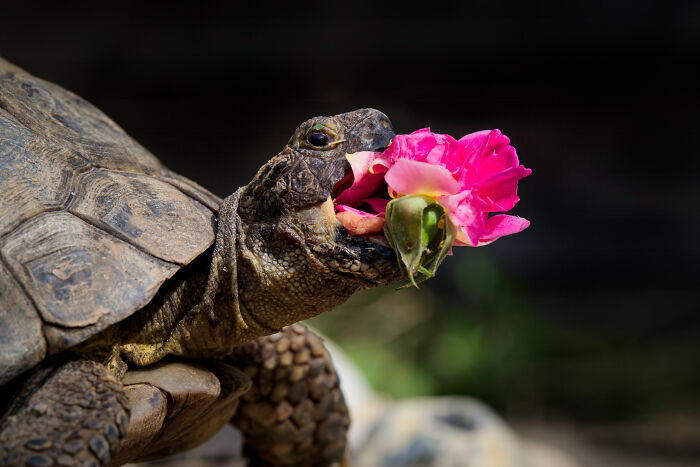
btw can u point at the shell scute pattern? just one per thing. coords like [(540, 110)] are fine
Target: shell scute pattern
[(144, 211), (68, 121), (35, 175), (91, 223), (70, 270)]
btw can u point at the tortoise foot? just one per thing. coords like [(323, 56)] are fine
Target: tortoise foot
[(76, 414), (176, 406), (295, 413)]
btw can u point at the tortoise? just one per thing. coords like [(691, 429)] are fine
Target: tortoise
[(139, 312)]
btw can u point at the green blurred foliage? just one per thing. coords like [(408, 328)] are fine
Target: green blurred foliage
[(473, 331)]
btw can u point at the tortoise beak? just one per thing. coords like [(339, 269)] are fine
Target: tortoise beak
[(372, 132)]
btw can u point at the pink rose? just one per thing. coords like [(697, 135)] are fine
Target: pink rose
[(470, 178)]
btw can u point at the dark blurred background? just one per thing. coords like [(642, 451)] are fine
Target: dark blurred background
[(592, 314)]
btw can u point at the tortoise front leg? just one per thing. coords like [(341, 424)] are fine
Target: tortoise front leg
[(294, 414), (176, 406), (74, 414)]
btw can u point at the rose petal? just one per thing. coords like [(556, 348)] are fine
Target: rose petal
[(501, 225), (365, 182), (471, 177), (359, 212), (409, 146), (424, 146), (420, 178), (379, 166), (501, 190), (358, 222), (445, 153), (499, 156), (470, 149), (466, 211), (484, 154), (377, 204)]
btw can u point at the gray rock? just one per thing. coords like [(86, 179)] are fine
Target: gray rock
[(440, 432)]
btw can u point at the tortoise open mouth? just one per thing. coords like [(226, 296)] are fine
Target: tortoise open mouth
[(344, 183), (365, 217)]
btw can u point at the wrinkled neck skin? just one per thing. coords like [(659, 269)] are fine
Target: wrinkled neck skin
[(269, 273), (282, 273)]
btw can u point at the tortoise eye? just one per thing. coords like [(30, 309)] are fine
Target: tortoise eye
[(318, 139)]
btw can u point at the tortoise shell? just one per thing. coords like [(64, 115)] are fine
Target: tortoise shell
[(91, 223)]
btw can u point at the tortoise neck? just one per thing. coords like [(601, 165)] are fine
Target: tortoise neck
[(281, 279), (215, 322), (262, 276), (195, 314), (221, 303)]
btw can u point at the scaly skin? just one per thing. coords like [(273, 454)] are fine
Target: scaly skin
[(280, 256), (295, 414), (74, 414)]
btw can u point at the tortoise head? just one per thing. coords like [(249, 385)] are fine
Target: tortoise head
[(313, 161), (288, 207)]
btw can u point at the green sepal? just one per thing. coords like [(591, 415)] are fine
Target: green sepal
[(420, 233)]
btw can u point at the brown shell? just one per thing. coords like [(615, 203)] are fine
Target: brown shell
[(91, 223)]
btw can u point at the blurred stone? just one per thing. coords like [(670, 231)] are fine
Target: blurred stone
[(441, 431), (540, 454)]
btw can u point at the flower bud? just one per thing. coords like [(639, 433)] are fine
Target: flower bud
[(420, 233)]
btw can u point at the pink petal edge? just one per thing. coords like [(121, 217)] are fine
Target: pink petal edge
[(357, 212), (501, 225), (358, 222), (466, 211), (365, 181), (501, 190), (410, 177)]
